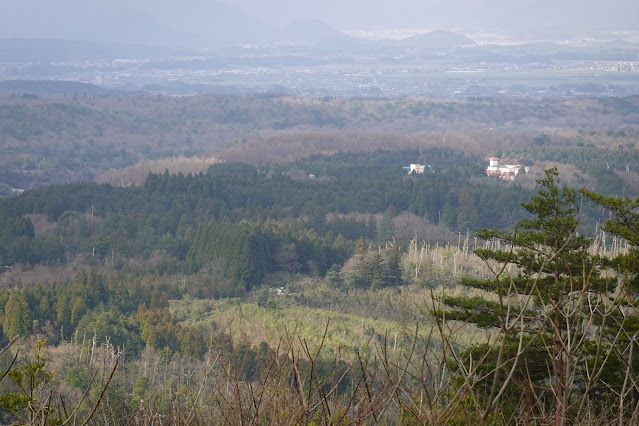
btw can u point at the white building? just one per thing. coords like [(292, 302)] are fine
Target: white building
[(506, 172), (417, 168)]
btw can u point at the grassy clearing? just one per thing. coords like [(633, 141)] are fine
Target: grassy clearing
[(137, 173), (350, 325)]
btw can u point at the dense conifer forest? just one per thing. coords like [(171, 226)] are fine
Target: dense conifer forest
[(302, 276)]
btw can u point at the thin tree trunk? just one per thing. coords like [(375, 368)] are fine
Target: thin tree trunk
[(559, 371)]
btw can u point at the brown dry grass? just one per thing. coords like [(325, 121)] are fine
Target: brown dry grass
[(292, 145), (22, 275), (136, 174)]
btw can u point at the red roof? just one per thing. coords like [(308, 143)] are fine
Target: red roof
[(494, 158)]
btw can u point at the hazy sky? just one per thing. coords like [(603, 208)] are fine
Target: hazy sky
[(357, 14), (72, 18)]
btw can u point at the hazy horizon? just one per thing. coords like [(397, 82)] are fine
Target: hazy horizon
[(161, 21)]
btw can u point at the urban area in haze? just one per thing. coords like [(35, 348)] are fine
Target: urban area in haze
[(208, 47), (341, 212)]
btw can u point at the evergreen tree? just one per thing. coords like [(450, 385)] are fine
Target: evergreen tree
[(360, 246), (158, 300), (17, 316), (371, 270), (29, 402), (371, 228), (622, 329), (467, 217), (392, 266), (340, 249), (63, 316), (449, 210), (78, 309), (538, 307), (192, 342), (44, 308), (387, 228)]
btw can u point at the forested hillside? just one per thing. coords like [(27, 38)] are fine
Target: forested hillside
[(349, 196), (295, 273), (70, 138), (283, 278)]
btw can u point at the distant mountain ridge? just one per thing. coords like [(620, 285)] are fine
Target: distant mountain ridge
[(437, 40), (309, 33), (40, 87), (434, 40), (195, 25)]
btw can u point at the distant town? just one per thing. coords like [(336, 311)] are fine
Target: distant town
[(436, 65)]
